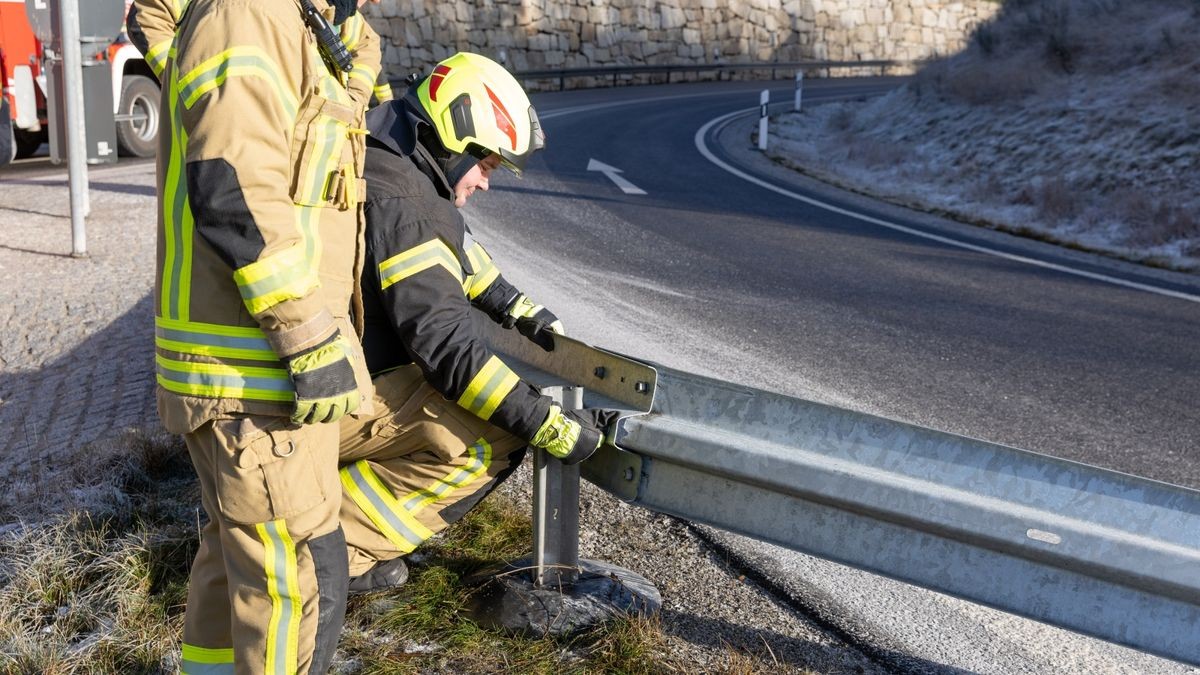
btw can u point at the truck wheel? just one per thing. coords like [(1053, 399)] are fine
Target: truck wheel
[(137, 136), (8, 142), (28, 142)]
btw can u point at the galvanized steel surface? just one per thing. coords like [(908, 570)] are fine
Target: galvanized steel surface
[(1102, 553)]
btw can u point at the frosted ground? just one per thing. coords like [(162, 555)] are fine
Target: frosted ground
[(1073, 121)]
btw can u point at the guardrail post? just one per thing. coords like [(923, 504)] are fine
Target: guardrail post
[(556, 508), (763, 100), (799, 89)]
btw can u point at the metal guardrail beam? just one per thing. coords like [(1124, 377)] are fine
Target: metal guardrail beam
[(613, 72), (1099, 552)]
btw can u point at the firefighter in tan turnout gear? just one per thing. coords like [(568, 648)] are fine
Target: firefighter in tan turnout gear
[(260, 188), (451, 419)]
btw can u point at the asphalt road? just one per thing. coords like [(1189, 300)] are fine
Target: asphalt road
[(909, 317)]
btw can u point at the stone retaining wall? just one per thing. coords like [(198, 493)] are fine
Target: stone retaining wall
[(539, 34)]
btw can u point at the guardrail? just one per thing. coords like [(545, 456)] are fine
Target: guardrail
[(614, 72), (1098, 552)]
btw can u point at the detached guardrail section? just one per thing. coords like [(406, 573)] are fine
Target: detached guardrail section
[(1095, 551)]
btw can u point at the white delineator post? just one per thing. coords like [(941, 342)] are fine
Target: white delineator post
[(763, 100), (799, 89), (73, 106)]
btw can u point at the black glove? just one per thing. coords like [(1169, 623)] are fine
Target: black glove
[(324, 380), (572, 436), (533, 321)]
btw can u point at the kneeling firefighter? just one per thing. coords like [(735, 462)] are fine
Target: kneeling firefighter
[(451, 420)]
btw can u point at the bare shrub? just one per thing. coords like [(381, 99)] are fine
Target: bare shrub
[(1152, 221), (841, 120), (1052, 197), (874, 153)]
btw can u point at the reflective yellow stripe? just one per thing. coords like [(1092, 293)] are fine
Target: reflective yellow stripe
[(364, 74), (418, 259), (286, 275), (480, 457), (177, 216), (486, 272), (216, 380), (283, 585), (239, 62), (381, 507), (204, 339), (383, 93), (156, 56), (205, 661), (352, 32), (488, 388)]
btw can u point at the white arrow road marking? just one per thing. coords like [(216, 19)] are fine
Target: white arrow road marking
[(614, 174)]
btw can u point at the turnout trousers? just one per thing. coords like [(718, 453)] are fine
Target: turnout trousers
[(268, 585), (416, 465)]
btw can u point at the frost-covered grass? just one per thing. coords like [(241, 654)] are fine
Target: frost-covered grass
[(101, 587), (1073, 121)]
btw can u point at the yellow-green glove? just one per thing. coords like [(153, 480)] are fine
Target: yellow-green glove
[(533, 321), (324, 381), (573, 436)]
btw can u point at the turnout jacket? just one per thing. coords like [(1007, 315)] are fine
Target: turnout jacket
[(260, 239), (423, 274), (151, 25)]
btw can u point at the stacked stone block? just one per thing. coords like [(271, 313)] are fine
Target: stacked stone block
[(552, 34)]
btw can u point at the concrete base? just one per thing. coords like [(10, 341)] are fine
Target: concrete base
[(507, 599)]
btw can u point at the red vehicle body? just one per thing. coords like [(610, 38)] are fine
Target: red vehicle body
[(23, 123)]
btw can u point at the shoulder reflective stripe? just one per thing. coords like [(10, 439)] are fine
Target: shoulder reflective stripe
[(269, 281), (203, 661), (212, 340), (364, 74), (418, 259), (156, 56), (488, 388), (216, 380), (377, 502), (480, 457), (283, 585), (352, 32), (238, 62)]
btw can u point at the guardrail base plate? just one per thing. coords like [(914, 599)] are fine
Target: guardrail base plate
[(507, 599)]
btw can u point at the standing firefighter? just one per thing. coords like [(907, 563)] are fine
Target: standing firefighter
[(259, 177), (451, 419)]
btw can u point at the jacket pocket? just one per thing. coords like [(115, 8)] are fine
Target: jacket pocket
[(271, 474), (321, 171)]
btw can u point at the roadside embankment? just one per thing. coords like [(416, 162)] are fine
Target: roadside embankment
[(1072, 121)]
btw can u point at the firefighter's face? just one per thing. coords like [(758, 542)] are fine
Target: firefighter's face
[(475, 179)]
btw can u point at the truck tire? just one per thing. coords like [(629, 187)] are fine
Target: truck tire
[(138, 136), (28, 142), (8, 142)]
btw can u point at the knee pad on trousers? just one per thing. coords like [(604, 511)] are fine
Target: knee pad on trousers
[(333, 575)]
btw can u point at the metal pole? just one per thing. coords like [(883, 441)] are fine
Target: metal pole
[(799, 89), (763, 99), (556, 508), (76, 142)]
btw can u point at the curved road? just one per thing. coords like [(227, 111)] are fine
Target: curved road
[(733, 267)]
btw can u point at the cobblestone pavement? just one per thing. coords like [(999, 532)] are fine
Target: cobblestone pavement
[(75, 333)]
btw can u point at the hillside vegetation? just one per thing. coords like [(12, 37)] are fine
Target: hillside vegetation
[(1076, 121)]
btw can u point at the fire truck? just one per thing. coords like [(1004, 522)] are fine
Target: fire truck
[(23, 109)]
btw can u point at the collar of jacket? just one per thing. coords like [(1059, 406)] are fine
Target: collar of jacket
[(396, 127)]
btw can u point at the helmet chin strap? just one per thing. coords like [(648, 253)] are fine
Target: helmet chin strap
[(342, 10)]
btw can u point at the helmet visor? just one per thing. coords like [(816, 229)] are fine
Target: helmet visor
[(537, 140)]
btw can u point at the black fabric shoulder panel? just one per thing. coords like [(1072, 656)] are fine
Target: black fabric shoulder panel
[(222, 217)]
